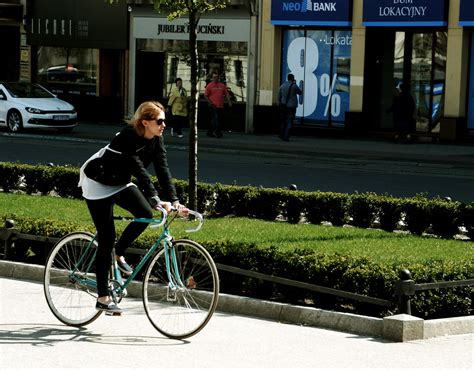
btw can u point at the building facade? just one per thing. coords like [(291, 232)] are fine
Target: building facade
[(350, 58), (78, 50), (159, 53), (11, 26)]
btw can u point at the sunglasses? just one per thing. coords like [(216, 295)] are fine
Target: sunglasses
[(160, 121)]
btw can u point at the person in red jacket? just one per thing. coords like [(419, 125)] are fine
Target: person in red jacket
[(215, 94)]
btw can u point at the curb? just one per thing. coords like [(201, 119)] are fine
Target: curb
[(398, 328)]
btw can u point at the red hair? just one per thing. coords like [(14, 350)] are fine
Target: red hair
[(149, 110)]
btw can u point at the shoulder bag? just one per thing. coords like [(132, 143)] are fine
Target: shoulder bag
[(108, 169)]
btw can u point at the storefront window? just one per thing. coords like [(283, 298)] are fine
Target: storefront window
[(67, 70), (470, 102), (320, 61), (425, 53), (227, 57)]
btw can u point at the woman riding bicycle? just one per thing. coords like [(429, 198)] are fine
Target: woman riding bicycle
[(105, 179)]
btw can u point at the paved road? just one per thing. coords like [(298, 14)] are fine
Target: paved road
[(30, 337), (313, 163)]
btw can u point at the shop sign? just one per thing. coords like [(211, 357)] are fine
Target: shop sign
[(78, 23), (407, 13), (466, 14), (312, 12), (208, 29)]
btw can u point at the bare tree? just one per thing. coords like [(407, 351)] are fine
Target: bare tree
[(193, 9)]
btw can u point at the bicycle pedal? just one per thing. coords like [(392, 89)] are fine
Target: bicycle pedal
[(113, 313)]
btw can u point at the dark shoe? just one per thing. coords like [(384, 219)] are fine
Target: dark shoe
[(219, 134), (110, 308), (210, 134), (124, 267)]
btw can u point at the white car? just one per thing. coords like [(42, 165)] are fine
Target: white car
[(27, 105)]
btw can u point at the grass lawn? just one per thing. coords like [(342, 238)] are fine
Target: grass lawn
[(376, 245)]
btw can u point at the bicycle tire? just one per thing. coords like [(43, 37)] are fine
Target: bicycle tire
[(69, 263), (191, 306)]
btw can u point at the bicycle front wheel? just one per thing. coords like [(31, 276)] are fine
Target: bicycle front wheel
[(179, 301), (69, 279)]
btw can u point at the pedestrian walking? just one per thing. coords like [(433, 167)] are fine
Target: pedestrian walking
[(178, 107), (288, 102), (216, 92), (105, 179)]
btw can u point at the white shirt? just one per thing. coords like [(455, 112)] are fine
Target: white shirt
[(93, 190)]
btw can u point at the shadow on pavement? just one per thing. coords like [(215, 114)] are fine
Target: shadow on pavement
[(49, 335)]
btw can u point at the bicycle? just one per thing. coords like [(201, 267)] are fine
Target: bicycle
[(180, 286)]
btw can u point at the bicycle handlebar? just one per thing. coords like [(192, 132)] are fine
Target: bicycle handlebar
[(163, 219), (196, 214), (200, 220)]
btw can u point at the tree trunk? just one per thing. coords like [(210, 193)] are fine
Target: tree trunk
[(193, 112)]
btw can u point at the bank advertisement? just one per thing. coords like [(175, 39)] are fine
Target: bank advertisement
[(312, 13), (388, 13), (320, 62)]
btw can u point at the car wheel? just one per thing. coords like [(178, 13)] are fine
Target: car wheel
[(14, 121)]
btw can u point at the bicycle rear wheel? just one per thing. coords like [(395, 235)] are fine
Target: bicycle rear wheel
[(69, 279), (181, 308)]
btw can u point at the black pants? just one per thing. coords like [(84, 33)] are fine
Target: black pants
[(179, 122), (215, 120), (287, 116), (101, 210)]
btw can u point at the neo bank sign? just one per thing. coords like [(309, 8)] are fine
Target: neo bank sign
[(312, 13), (388, 13)]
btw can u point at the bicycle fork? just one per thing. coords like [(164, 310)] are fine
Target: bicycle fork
[(174, 279)]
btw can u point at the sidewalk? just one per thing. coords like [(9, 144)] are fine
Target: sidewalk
[(32, 337), (456, 155)]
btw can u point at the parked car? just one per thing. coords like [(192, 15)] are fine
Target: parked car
[(27, 105)]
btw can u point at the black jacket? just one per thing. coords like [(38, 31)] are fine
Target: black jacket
[(137, 153)]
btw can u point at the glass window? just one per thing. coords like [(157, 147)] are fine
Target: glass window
[(428, 70), (320, 60), (420, 59), (68, 70), (439, 78), (227, 57), (470, 101), (26, 90)]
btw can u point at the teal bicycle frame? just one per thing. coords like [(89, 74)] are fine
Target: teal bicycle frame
[(174, 280)]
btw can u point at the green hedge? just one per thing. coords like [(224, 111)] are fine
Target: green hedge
[(417, 215), (353, 274)]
